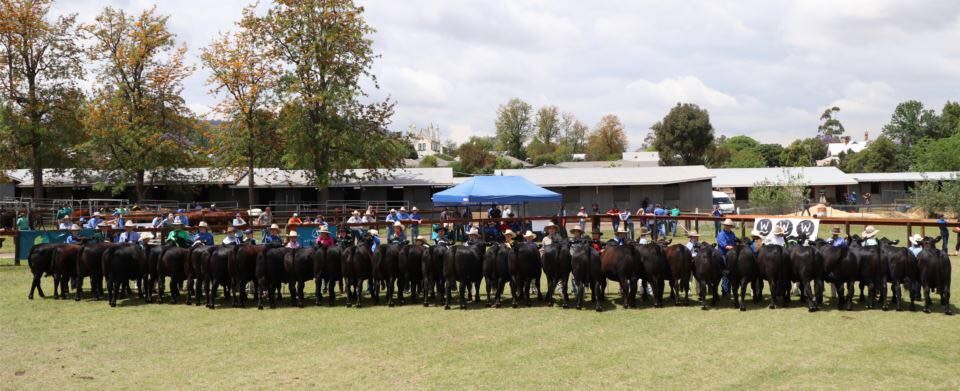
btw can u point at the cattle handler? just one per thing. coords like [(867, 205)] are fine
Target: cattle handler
[(103, 233), (178, 236), (509, 237)]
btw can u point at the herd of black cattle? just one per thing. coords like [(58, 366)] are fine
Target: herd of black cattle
[(434, 273)]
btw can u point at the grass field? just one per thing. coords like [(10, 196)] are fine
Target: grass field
[(50, 343)]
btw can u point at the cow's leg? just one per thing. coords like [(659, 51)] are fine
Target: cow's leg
[(563, 290), (447, 291), (773, 293), (79, 288), (464, 283), (56, 286), (161, 280)]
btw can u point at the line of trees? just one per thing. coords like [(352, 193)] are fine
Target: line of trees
[(290, 80)]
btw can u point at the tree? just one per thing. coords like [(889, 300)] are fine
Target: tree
[(514, 125), (138, 122), (240, 68), (574, 133), (937, 155), (746, 158), (739, 143), (937, 197), (548, 124), (325, 51), (475, 157), (608, 140), (771, 154), (881, 155), (803, 153), (684, 135), (428, 161), (910, 122), (41, 63), (779, 196), (950, 119), (830, 128)]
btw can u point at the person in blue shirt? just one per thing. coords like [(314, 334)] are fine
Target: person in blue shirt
[(238, 220), (375, 239), (414, 218), (403, 215), (621, 238), (397, 235), (726, 239), (756, 240), (94, 221), (717, 217), (129, 235), (944, 232), (392, 216), (183, 218), (203, 234), (661, 214), (157, 221), (836, 240), (915, 244), (74, 236), (273, 237)]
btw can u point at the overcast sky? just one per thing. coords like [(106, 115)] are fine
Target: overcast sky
[(762, 68)]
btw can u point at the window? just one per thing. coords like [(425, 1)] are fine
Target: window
[(742, 193), (422, 147), (435, 147), (875, 187)]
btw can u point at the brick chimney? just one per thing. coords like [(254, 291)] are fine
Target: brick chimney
[(866, 136)]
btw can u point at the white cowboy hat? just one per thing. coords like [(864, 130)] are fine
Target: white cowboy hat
[(393, 211), (177, 221), (355, 213), (529, 234), (368, 213), (778, 231), (509, 232), (324, 229), (644, 231), (728, 223), (870, 232), (296, 215), (422, 238), (576, 228), (473, 231), (231, 229), (693, 234), (403, 208), (128, 224), (146, 236), (835, 231), (293, 234), (916, 238), (74, 227), (104, 224), (414, 209), (96, 214), (550, 224), (274, 226), (398, 224), (374, 232), (756, 233), (622, 230), (203, 224)]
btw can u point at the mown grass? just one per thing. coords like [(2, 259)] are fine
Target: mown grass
[(51, 343)]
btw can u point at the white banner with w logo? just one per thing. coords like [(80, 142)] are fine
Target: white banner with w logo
[(791, 226)]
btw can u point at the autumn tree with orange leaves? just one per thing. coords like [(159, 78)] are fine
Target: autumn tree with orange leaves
[(137, 121)]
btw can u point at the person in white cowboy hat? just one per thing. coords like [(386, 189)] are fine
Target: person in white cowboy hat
[(74, 235), (232, 236), (103, 233), (869, 236), (392, 216), (529, 238), (64, 223), (203, 234), (355, 218), (915, 244), (441, 236), (577, 235), (273, 237), (129, 235), (422, 241), (148, 238), (509, 237), (644, 236), (775, 237), (550, 235), (835, 239), (369, 217), (396, 234), (756, 240), (178, 235), (473, 236), (374, 239), (293, 240), (94, 221), (621, 236), (726, 239), (402, 215), (694, 241), (323, 238), (415, 220)]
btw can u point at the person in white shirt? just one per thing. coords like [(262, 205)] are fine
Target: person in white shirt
[(65, 223), (775, 237), (869, 236), (232, 237), (644, 232), (582, 218), (915, 244), (693, 243), (238, 220)]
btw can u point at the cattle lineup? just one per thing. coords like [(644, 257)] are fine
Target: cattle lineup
[(449, 274)]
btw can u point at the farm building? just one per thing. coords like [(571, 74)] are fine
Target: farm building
[(827, 182), (686, 186), (888, 187)]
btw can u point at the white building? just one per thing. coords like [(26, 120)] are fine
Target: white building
[(426, 140), (846, 146)]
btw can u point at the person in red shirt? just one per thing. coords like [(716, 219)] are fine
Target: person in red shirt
[(615, 217), (324, 240), (595, 241)]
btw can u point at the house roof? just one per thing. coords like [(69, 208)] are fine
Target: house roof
[(834, 149), (905, 176), (616, 176), (748, 177), (277, 178)]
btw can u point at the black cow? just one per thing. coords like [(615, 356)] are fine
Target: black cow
[(873, 273), (357, 266), (298, 265), (121, 264), (934, 274), (585, 266), (463, 265), (411, 272), (431, 266), (775, 266), (40, 260), (524, 273), (680, 263), (194, 271), (386, 271), (496, 272), (622, 264), (217, 274), (556, 267), (742, 269), (64, 269), (902, 271), (90, 264), (841, 270), (270, 274), (708, 269), (327, 272), (807, 265), (172, 263), (242, 267), (653, 258)]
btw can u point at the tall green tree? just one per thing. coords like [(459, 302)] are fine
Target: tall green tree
[(40, 64), (684, 135), (138, 121), (746, 158), (475, 157), (608, 140), (575, 133), (549, 123), (881, 155), (910, 122), (514, 125), (950, 119), (739, 143), (937, 155), (325, 51), (830, 128), (771, 154), (803, 153)]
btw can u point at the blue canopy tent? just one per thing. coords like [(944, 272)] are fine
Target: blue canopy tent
[(486, 190)]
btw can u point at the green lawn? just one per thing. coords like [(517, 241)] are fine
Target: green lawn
[(48, 343)]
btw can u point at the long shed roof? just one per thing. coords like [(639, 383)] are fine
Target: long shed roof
[(905, 176), (613, 176), (749, 177)]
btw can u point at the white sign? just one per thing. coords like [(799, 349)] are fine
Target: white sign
[(791, 226), (538, 225)]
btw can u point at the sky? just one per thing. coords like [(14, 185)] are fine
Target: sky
[(764, 68)]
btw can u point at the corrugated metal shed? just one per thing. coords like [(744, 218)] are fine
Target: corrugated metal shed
[(905, 176), (277, 178), (615, 176), (748, 177)]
